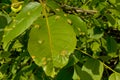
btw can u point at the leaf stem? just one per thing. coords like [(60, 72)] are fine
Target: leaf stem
[(47, 23)]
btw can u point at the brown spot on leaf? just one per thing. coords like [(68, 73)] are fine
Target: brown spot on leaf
[(44, 61), (33, 57), (37, 26), (63, 53)]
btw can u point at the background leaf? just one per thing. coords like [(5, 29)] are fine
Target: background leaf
[(94, 68), (78, 24), (114, 76), (21, 22), (3, 23), (83, 75)]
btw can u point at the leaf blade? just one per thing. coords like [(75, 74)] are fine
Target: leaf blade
[(22, 22), (63, 43)]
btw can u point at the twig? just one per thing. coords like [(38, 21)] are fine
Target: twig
[(78, 10), (100, 61)]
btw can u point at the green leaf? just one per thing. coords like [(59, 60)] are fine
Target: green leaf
[(80, 74), (51, 47), (3, 23), (94, 68), (17, 44), (117, 67), (1, 76), (101, 6), (111, 19), (75, 76), (22, 21), (95, 46), (95, 33), (112, 1), (55, 7), (6, 16), (65, 74), (111, 46), (79, 25), (114, 76)]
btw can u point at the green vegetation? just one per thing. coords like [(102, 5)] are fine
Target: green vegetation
[(59, 39)]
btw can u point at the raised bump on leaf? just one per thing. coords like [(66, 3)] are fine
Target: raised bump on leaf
[(44, 59), (57, 10), (79, 29), (49, 59), (14, 20), (3, 35), (37, 26), (8, 29), (69, 21), (65, 15), (28, 13), (40, 41), (44, 62), (57, 17), (82, 33), (14, 26), (63, 53)]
